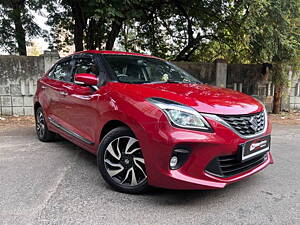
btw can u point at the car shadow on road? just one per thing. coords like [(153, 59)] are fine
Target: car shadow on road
[(184, 197), (171, 197)]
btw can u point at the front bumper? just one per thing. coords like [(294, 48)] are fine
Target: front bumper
[(158, 148)]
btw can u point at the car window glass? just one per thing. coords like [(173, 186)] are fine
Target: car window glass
[(61, 71), (51, 74), (86, 65), (140, 69)]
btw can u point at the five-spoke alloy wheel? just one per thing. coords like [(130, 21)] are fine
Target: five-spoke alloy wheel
[(121, 161)]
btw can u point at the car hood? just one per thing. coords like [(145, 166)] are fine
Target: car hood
[(203, 98)]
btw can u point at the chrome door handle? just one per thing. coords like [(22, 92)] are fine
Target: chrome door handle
[(43, 87), (63, 93)]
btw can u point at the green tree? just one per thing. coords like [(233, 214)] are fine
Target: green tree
[(240, 31), (17, 24), (177, 29), (67, 19), (274, 37), (267, 31), (91, 23)]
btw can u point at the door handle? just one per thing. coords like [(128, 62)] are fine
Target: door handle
[(63, 93), (43, 87)]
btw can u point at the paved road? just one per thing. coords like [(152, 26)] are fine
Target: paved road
[(58, 183)]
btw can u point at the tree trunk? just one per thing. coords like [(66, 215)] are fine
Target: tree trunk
[(91, 34), (125, 36), (186, 52), (79, 25), (19, 30), (277, 99), (113, 34)]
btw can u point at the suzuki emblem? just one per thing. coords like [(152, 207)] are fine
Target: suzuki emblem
[(253, 122)]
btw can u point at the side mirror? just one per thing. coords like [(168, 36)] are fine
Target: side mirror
[(86, 79)]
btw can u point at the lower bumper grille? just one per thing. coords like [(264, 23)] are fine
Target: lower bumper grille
[(229, 165)]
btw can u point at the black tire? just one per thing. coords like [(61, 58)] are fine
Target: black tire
[(41, 127), (130, 158)]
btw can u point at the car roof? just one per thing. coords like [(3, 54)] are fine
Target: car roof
[(106, 52)]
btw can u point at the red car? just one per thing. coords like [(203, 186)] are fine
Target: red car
[(150, 123)]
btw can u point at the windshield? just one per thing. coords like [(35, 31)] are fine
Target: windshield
[(140, 69)]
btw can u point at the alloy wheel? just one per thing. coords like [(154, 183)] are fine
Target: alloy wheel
[(40, 124), (124, 161)]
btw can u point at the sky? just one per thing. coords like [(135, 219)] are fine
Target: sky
[(41, 22)]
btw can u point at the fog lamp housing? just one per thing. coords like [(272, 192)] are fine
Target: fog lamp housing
[(178, 158), (173, 161)]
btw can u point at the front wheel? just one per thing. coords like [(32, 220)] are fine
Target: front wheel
[(121, 162)]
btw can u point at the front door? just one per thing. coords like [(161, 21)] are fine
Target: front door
[(56, 90), (83, 102)]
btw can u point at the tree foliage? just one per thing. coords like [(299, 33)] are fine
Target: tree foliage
[(237, 30), (16, 24), (240, 31), (274, 37)]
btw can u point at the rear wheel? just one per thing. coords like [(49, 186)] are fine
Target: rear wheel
[(41, 127), (121, 162)]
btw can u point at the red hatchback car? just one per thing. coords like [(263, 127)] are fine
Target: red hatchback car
[(150, 123)]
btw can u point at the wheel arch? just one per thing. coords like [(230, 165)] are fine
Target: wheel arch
[(110, 125), (36, 106)]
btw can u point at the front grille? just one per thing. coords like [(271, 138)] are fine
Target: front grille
[(229, 165), (246, 124)]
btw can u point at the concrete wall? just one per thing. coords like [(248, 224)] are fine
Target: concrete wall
[(246, 78), (205, 72), (18, 77), (294, 90), (240, 77), (252, 79)]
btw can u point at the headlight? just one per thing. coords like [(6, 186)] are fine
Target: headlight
[(181, 115)]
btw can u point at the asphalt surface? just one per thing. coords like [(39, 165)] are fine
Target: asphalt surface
[(58, 183)]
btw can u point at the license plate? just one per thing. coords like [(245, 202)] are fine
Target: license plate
[(255, 147)]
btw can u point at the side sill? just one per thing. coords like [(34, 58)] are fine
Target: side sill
[(66, 130)]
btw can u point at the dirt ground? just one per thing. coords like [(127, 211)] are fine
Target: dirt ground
[(16, 121), (284, 118)]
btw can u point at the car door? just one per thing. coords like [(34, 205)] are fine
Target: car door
[(82, 101), (56, 90)]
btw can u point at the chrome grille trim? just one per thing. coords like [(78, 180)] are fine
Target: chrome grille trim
[(246, 124), (224, 123)]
